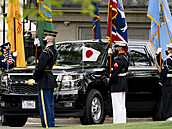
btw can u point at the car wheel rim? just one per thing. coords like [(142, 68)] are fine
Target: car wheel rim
[(96, 109)]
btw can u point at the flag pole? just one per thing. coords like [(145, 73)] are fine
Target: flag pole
[(4, 22), (36, 49), (15, 36), (110, 37), (159, 46), (159, 1)]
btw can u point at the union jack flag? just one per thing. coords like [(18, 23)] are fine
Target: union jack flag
[(119, 25)]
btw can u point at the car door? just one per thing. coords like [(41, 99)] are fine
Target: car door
[(143, 89)]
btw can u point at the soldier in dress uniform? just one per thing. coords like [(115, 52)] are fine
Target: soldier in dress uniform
[(6, 57), (166, 83), (118, 82), (46, 81)]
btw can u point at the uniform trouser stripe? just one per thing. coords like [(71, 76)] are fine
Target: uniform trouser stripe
[(43, 107)]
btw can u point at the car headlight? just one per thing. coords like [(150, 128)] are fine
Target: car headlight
[(4, 78), (69, 82), (4, 81)]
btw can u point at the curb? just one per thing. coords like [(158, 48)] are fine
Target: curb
[(73, 120)]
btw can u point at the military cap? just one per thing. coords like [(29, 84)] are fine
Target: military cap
[(169, 45), (5, 45), (50, 33), (120, 43)]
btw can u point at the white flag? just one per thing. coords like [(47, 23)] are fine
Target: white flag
[(90, 54)]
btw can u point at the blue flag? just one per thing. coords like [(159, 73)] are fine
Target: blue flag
[(96, 22), (121, 24), (161, 25)]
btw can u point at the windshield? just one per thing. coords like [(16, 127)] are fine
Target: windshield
[(71, 53)]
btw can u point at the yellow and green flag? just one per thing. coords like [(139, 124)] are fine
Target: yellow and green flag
[(15, 33)]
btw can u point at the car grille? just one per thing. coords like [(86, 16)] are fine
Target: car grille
[(24, 89), (18, 85), (20, 77)]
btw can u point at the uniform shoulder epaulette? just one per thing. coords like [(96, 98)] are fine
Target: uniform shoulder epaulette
[(125, 57), (46, 50)]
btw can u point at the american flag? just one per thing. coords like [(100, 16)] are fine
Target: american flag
[(8, 57)]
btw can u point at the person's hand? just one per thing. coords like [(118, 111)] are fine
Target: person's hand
[(108, 80), (110, 51), (160, 84), (158, 50), (37, 42), (4, 60), (15, 53)]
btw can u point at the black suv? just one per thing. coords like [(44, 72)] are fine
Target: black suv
[(82, 89)]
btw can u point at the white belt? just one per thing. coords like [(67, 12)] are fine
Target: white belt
[(169, 75), (122, 74)]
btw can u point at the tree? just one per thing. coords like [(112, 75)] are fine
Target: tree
[(86, 6)]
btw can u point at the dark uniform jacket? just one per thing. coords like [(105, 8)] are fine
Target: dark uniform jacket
[(43, 73), (166, 73), (118, 78)]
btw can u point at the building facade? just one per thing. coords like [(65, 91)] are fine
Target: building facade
[(73, 25)]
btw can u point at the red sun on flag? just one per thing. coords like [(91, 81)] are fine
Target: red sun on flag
[(89, 53)]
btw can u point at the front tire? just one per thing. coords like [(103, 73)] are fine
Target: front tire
[(16, 121), (94, 111)]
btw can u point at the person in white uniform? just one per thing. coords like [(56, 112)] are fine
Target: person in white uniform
[(118, 82)]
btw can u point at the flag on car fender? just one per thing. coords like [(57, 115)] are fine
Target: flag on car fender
[(89, 54), (119, 25), (161, 25)]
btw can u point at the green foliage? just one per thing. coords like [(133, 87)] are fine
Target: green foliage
[(86, 7)]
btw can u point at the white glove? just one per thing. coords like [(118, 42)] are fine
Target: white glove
[(159, 50), (110, 51), (37, 42), (4, 60), (160, 84), (15, 53)]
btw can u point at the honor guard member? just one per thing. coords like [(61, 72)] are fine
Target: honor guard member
[(118, 82), (7, 60), (45, 80), (166, 83)]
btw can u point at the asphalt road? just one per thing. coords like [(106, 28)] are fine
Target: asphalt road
[(34, 123)]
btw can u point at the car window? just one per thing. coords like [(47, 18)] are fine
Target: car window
[(138, 56), (71, 53)]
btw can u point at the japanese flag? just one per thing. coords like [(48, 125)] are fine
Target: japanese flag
[(89, 54)]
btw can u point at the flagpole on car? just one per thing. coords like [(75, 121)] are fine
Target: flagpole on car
[(82, 56)]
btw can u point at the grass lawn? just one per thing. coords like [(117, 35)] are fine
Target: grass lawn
[(134, 125)]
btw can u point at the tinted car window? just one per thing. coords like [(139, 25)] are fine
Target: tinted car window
[(138, 56), (71, 53)]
